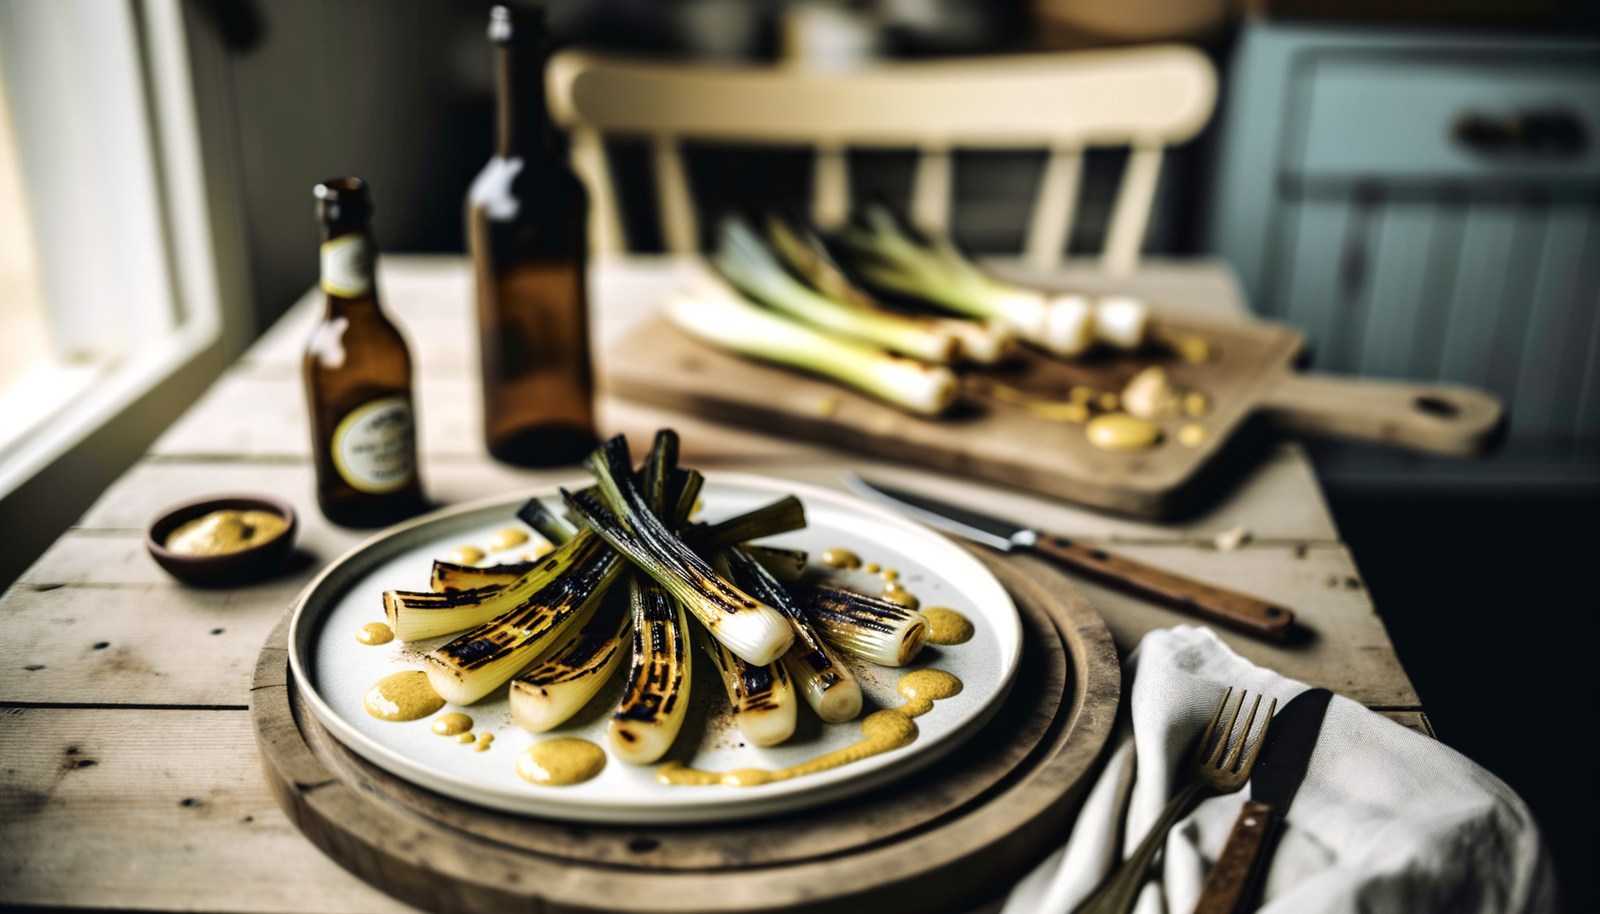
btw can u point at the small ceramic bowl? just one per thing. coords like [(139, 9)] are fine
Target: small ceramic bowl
[(234, 567)]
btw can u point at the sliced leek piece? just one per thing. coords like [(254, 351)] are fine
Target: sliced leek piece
[(806, 254), (763, 699), (547, 694), (787, 565), (755, 631), (783, 515), (871, 628), (415, 615), (448, 577), (827, 684), (479, 661), (651, 712)]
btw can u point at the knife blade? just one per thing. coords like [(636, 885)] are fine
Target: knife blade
[(1225, 607), (1234, 882)]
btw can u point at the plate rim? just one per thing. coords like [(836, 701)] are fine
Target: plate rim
[(302, 628)]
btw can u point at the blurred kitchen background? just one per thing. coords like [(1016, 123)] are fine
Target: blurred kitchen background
[(1416, 184)]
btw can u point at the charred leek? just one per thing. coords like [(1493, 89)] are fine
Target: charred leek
[(545, 695), (805, 254), (474, 664), (828, 686), (750, 265), (781, 516), (787, 565), (549, 524), (871, 628), (763, 699), (418, 615), (750, 628), (651, 712), (448, 577), (718, 316)]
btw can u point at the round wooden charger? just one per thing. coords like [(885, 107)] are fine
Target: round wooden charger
[(947, 834)]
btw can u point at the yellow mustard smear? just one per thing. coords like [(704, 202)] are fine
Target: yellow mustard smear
[(895, 592), (870, 568), (452, 724), (484, 739), (882, 731), (1122, 432), (1193, 435), (403, 696), (465, 738), (509, 538), (539, 551), (841, 558), (466, 555), (559, 762), (946, 626), (225, 532), (375, 633)]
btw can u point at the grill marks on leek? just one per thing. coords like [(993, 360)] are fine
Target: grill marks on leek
[(717, 315), (750, 265), (474, 664), (653, 705), (763, 699), (448, 577), (781, 516), (808, 257), (415, 615), (874, 629), (546, 694), (755, 631), (828, 686)]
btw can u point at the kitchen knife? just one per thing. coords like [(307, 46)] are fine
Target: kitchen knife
[(1225, 607), (1273, 783)]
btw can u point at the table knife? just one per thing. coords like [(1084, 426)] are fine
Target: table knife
[(1241, 868), (1225, 607)]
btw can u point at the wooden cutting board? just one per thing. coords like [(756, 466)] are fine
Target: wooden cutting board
[(1249, 373)]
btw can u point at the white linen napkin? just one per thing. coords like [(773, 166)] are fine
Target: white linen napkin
[(1386, 819)]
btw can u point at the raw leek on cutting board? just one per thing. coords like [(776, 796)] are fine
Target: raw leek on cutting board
[(718, 315), (754, 268), (631, 571), (804, 253)]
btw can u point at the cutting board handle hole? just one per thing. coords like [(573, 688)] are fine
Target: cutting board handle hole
[(1437, 406)]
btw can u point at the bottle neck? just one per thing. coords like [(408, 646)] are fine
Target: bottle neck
[(522, 116), (348, 266)]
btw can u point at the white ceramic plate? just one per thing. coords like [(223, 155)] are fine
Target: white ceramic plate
[(335, 671)]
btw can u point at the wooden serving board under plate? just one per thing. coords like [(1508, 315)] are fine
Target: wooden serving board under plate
[(1250, 371), (936, 840)]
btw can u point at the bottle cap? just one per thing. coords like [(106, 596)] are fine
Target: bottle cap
[(518, 26), (343, 201)]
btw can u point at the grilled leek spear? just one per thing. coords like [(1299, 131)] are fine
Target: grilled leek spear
[(828, 686), (546, 694), (651, 712), (474, 664), (415, 615), (873, 629), (983, 342), (448, 577), (549, 524), (781, 516), (763, 699), (755, 631), (787, 565)]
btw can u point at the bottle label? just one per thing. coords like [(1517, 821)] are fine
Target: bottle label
[(347, 266), (374, 446)]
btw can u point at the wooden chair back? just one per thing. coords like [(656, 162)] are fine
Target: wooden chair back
[(1147, 98)]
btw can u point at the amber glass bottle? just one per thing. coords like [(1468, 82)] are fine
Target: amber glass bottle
[(358, 377), (527, 223)]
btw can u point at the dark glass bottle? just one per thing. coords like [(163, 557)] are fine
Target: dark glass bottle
[(358, 377), (527, 228)]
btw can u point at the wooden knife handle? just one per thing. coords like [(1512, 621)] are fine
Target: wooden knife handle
[(1219, 894), (1225, 607)]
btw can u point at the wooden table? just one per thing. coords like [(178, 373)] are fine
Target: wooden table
[(128, 770)]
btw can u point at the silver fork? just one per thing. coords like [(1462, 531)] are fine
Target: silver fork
[(1209, 775)]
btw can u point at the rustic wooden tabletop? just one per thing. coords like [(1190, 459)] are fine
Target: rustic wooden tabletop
[(128, 771)]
